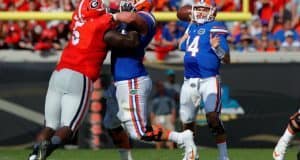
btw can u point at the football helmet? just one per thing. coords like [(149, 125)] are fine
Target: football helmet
[(90, 9), (204, 11)]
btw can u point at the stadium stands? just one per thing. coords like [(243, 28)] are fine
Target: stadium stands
[(274, 27)]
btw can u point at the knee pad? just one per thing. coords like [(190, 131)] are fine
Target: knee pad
[(217, 129), (295, 122), (152, 134)]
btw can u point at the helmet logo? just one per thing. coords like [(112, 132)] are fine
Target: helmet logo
[(94, 4)]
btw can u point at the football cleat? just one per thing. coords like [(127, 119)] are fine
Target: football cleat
[(42, 151), (189, 146), (32, 157), (224, 158)]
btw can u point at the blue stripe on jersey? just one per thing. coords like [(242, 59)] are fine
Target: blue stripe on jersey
[(128, 64), (200, 60)]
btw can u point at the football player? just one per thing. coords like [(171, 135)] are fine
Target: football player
[(133, 85), (80, 64), (205, 46), (292, 128)]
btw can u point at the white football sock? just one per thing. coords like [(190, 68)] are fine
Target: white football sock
[(125, 154), (222, 149), (175, 137), (287, 136)]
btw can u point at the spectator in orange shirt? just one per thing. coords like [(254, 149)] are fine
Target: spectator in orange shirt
[(170, 36), (4, 4), (225, 5), (265, 45)]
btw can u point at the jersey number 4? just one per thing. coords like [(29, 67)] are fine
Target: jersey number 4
[(193, 47)]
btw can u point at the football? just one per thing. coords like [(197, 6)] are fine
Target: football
[(184, 13)]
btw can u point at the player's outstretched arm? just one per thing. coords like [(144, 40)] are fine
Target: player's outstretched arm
[(115, 39), (132, 18)]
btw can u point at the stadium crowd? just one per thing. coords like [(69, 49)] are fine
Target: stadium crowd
[(275, 26)]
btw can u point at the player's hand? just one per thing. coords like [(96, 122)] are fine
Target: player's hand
[(214, 41), (127, 7)]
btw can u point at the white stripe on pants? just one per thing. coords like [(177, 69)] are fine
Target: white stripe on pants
[(132, 96)]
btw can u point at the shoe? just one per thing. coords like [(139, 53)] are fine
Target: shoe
[(224, 158), (32, 157), (280, 150), (42, 151), (189, 146)]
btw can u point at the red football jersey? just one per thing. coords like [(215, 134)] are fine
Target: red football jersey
[(86, 49)]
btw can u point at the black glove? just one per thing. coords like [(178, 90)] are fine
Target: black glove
[(125, 6)]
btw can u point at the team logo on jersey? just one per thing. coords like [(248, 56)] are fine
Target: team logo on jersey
[(201, 31), (133, 92)]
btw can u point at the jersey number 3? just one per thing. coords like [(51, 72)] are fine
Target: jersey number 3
[(193, 47)]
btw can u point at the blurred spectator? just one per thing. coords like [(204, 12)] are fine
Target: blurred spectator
[(264, 8), (290, 44), (13, 36), (165, 5), (287, 26), (169, 40), (21, 5), (225, 5), (163, 112), (264, 44), (47, 42), (256, 26), (4, 5), (265, 32), (172, 87), (246, 44), (295, 9), (243, 31), (171, 84), (277, 17), (33, 6)]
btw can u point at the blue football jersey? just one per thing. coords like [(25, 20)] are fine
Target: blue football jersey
[(200, 60), (128, 64)]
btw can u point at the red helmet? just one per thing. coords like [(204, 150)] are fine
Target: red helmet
[(204, 11), (139, 5), (90, 8)]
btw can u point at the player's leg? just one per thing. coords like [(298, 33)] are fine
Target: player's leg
[(292, 128), (189, 99), (52, 116), (121, 140), (74, 105), (132, 96), (211, 91), (113, 125)]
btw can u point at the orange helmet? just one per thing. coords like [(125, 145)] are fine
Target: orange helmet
[(138, 5), (204, 11), (90, 8)]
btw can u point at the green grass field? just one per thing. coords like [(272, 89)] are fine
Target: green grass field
[(146, 154)]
